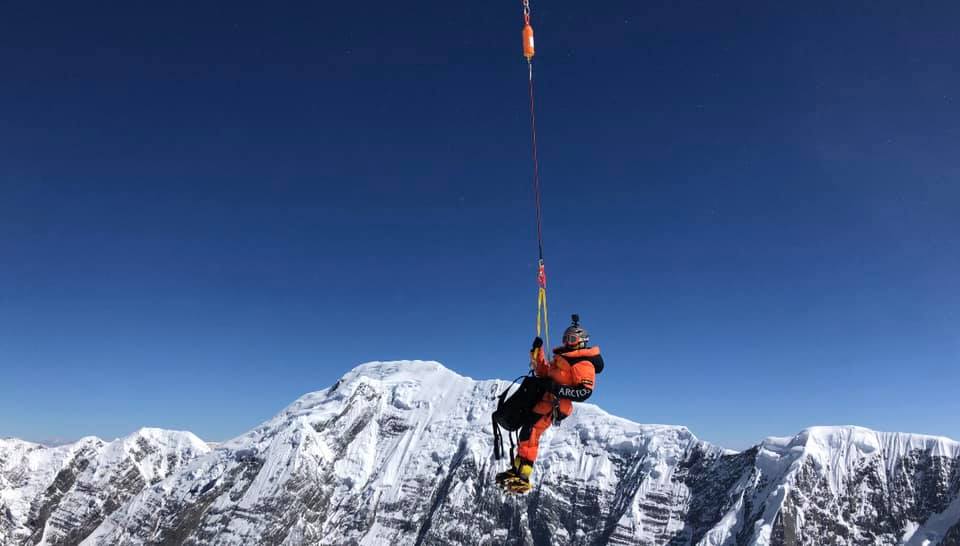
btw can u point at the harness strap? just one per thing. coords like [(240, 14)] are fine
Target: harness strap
[(497, 440), (543, 320)]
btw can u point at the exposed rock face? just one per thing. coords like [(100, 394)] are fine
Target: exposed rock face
[(60, 495), (400, 453)]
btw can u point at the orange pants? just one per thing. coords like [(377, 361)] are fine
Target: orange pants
[(529, 438)]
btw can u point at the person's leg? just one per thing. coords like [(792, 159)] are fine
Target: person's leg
[(529, 444), (539, 419)]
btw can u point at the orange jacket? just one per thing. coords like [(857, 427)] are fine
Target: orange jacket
[(576, 368)]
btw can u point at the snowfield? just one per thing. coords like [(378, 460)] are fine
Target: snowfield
[(401, 453)]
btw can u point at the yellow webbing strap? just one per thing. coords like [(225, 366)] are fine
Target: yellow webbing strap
[(543, 322)]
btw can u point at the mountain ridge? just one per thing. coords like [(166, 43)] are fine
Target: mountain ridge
[(400, 452)]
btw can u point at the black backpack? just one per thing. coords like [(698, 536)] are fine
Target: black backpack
[(514, 412)]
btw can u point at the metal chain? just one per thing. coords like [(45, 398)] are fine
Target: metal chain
[(526, 10)]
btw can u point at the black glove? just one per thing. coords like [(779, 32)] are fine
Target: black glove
[(537, 343)]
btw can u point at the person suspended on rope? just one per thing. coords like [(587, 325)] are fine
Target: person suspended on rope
[(566, 378)]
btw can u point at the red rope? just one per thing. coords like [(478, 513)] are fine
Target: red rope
[(536, 167)]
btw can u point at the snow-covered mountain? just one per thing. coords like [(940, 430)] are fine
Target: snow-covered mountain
[(59, 495), (400, 453)]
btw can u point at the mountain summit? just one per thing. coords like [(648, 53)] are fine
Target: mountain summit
[(400, 453)]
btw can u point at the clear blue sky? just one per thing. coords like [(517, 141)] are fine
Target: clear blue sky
[(207, 211)]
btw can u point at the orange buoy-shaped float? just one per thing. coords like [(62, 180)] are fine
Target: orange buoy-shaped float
[(528, 49)]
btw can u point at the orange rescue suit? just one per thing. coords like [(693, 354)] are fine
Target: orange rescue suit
[(569, 368)]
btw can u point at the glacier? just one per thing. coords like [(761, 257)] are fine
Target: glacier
[(401, 453)]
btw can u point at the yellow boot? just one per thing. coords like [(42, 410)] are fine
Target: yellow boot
[(517, 478)]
